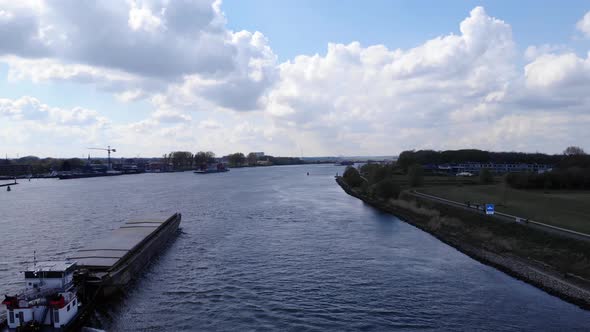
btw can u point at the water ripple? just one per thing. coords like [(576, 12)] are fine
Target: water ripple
[(271, 250)]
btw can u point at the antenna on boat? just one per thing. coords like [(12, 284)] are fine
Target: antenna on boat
[(34, 260)]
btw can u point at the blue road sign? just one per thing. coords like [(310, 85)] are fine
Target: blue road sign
[(490, 209)]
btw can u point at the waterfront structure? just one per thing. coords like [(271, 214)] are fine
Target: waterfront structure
[(497, 168), (130, 166), (158, 167), (211, 168), (264, 163)]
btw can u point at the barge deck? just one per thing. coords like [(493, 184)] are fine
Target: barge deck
[(111, 262)]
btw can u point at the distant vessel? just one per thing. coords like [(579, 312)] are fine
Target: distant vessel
[(67, 176), (49, 300), (212, 168), (345, 163)]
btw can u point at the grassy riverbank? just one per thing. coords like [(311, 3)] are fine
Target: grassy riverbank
[(558, 265), (567, 209)]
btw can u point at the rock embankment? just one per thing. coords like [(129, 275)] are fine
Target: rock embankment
[(533, 272)]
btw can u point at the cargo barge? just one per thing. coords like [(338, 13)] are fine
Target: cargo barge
[(108, 264), (59, 295)]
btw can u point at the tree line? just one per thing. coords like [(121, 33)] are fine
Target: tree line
[(375, 179), (571, 171), (186, 160), (44, 165), (179, 160), (425, 157)]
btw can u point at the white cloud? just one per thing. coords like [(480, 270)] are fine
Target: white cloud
[(140, 48), (369, 94), (141, 17), (20, 28), (30, 126), (457, 90), (169, 116), (31, 109), (242, 90), (558, 71), (46, 69), (583, 25), (159, 38), (209, 124), (533, 52)]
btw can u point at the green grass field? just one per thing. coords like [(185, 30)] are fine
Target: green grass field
[(567, 209)]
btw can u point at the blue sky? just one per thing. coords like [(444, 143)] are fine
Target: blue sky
[(307, 26), (326, 77)]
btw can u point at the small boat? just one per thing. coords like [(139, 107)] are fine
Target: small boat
[(212, 168), (49, 300)]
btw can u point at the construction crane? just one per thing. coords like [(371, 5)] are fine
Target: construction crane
[(109, 150)]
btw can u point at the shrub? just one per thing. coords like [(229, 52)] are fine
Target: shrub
[(387, 189), (485, 176), (415, 175), (352, 177), (571, 178)]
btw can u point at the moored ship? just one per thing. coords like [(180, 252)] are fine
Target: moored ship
[(54, 291), (212, 168), (106, 265), (69, 175)]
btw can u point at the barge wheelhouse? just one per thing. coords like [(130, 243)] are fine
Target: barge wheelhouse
[(48, 300)]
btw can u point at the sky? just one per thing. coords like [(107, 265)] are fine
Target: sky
[(291, 78)]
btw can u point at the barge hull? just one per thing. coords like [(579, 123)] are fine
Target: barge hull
[(111, 263)]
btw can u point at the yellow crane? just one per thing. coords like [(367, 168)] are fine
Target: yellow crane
[(109, 150)]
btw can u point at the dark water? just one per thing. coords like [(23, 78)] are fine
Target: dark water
[(271, 249)]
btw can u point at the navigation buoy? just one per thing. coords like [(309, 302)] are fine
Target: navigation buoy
[(8, 188), (307, 173)]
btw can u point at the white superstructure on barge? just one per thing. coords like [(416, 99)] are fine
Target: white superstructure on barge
[(48, 300)]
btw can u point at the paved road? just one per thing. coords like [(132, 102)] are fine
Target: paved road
[(509, 218)]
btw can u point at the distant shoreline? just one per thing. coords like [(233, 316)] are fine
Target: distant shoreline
[(534, 273)]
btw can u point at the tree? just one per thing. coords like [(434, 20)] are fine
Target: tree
[(181, 159), (406, 159), (236, 159), (387, 189), (485, 176), (71, 164), (376, 172), (352, 177), (574, 151), (252, 159), (415, 175), (202, 157)]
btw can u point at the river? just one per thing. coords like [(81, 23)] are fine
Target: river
[(271, 249)]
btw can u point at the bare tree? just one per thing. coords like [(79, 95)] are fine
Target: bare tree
[(573, 151)]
